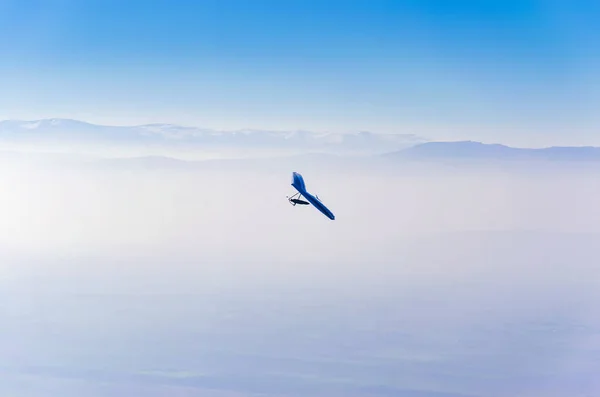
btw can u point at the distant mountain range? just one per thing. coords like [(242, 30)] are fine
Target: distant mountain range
[(469, 150), (57, 131), (400, 147)]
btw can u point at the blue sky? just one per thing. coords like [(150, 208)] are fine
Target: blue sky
[(513, 71)]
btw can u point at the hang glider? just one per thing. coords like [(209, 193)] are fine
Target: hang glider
[(299, 185)]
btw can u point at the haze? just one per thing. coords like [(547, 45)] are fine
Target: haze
[(143, 277), (147, 247)]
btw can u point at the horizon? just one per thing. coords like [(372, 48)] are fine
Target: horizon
[(425, 140)]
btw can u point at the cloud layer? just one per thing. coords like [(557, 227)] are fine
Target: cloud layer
[(131, 277)]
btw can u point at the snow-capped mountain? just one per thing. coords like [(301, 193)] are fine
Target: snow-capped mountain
[(56, 131)]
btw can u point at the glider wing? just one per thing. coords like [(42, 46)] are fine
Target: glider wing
[(300, 186)]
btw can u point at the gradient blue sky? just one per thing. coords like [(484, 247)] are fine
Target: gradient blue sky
[(514, 71)]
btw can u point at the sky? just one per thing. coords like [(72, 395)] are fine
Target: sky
[(519, 72)]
